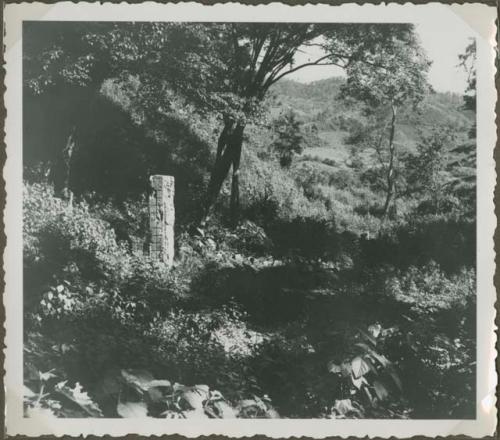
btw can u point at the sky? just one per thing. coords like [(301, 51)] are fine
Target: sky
[(442, 43)]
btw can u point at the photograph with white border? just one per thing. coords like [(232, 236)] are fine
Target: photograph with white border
[(242, 220)]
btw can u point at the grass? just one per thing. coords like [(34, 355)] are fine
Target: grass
[(335, 149)]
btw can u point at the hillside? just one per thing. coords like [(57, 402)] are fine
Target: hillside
[(318, 104), (339, 168)]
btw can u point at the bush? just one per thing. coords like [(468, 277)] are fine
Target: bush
[(247, 238), (450, 242), (72, 244), (40, 207), (435, 340), (287, 369), (269, 192), (67, 242), (427, 290), (343, 374), (104, 331), (129, 220), (188, 341), (307, 237), (133, 393)]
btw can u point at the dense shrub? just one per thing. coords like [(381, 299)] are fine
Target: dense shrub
[(187, 342), (67, 242), (133, 393), (343, 374), (355, 207), (288, 370), (450, 242), (428, 290), (307, 237), (72, 244), (104, 332), (247, 238), (129, 219), (40, 207), (268, 192), (435, 340)]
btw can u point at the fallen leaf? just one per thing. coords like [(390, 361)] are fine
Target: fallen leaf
[(223, 410), (195, 396), (132, 409), (344, 407), (138, 379)]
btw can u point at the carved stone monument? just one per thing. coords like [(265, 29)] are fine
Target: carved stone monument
[(161, 218)]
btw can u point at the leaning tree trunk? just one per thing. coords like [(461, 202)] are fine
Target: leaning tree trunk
[(234, 207), (228, 154), (390, 176)]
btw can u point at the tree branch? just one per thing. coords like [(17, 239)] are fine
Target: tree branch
[(314, 45), (318, 62)]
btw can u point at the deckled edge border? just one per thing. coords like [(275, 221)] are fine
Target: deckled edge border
[(3, 195)]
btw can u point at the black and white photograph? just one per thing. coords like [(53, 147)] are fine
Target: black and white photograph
[(251, 220)]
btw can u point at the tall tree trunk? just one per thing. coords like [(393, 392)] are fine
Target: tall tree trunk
[(228, 153), (234, 207), (390, 168), (223, 137)]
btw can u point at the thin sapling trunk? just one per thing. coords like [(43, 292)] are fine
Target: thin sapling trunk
[(390, 175)]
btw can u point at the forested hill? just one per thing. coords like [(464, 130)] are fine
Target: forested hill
[(318, 98), (318, 103)]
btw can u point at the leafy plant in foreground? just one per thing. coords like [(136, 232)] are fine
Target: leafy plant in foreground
[(136, 393), (46, 396), (367, 377)]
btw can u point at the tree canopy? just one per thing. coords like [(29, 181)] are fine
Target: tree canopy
[(222, 68)]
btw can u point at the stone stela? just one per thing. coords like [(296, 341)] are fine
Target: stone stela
[(161, 218)]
